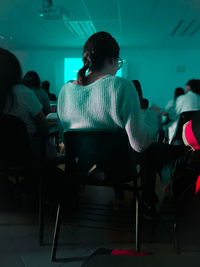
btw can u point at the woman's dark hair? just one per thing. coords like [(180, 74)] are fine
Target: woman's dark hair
[(179, 91), (10, 75), (46, 85), (32, 80), (144, 103), (139, 90), (98, 47), (194, 85)]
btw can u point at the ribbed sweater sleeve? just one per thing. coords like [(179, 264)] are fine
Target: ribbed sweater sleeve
[(141, 129)]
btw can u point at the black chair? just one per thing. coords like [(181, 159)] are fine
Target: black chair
[(108, 151), (16, 159), (184, 117), (180, 193)]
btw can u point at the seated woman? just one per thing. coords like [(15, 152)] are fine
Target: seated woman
[(46, 87), (32, 81), (101, 100), (16, 99)]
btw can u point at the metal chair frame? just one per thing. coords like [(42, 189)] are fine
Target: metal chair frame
[(73, 143)]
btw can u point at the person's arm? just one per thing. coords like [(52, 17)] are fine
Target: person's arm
[(41, 125), (141, 130), (179, 105)]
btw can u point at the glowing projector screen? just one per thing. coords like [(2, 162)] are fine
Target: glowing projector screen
[(73, 65)]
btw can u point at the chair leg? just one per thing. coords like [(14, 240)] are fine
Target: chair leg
[(41, 216), (176, 241), (56, 233), (137, 228)]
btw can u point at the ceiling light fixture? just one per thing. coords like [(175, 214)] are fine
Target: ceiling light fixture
[(80, 29), (50, 12), (195, 31), (177, 27), (187, 28)]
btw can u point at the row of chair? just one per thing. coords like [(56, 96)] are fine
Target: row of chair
[(85, 150)]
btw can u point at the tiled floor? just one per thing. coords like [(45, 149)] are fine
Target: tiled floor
[(19, 234)]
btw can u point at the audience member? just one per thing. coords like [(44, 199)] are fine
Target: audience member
[(101, 100), (17, 100), (46, 87), (190, 101), (171, 105), (32, 81)]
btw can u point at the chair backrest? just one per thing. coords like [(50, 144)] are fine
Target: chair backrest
[(110, 151), (184, 117), (14, 145)]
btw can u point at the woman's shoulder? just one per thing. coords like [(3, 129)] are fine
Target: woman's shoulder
[(25, 95), (123, 85), (117, 81), (21, 89), (109, 80)]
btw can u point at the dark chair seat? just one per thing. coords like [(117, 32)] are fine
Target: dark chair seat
[(108, 151), (184, 117)]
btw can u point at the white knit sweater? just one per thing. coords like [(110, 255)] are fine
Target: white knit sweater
[(108, 103)]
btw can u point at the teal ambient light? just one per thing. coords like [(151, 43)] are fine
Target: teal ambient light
[(73, 65)]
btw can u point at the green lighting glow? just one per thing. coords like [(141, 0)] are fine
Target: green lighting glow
[(72, 66)]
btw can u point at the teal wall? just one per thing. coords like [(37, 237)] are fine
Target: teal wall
[(157, 70)]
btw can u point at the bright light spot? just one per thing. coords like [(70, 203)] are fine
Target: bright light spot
[(73, 65)]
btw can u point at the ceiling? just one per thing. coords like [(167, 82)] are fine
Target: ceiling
[(144, 24)]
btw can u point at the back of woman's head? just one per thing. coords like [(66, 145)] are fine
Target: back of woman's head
[(32, 80), (99, 46), (10, 75), (194, 85), (178, 92), (46, 85)]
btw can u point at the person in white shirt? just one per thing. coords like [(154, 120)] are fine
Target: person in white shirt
[(190, 101), (18, 100), (32, 81)]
